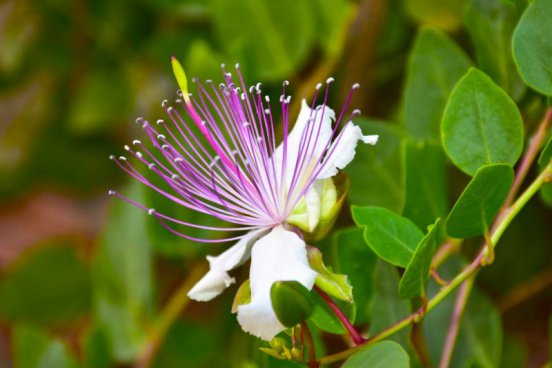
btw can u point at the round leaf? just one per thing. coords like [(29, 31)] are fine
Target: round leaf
[(386, 354), (479, 203), (392, 237), (481, 124), (532, 46)]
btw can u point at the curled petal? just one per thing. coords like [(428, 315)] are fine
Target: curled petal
[(217, 279), (279, 256), (343, 149)]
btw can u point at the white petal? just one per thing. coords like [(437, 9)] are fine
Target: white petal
[(322, 128), (278, 256), (344, 150), (314, 206), (217, 279)]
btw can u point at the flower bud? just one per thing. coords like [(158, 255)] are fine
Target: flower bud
[(291, 302)]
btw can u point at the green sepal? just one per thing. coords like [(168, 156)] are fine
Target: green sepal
[(336, 285), (291, 302), (180, 76), (243, 296)]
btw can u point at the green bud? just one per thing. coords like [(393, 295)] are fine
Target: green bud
[(335, 284), (291, 301)]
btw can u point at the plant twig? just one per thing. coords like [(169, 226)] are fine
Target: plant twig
[(305, 331), (459, 306), (464, 275), (530, 156), (339, 314)]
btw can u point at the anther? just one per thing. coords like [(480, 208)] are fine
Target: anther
[(285, 83), (258, 86), (178, 159), (288, 99), (195, 80), (329, 80), (164, 103), (174, 176), (267, 111), (151, 166), (251, 89), (178, 100), (136, 141), (160, 121), (356, 112), (267, 99), (111, 192), (139, 120), (318, 86), (237, 65), (145, 125), (165, 146), (204, 123), (161, 136), (112, 157), (127, 148), (356, 86), (209, 81), (151, 211), (122, 158)]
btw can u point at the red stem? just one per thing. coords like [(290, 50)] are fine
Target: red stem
[(348, 326)]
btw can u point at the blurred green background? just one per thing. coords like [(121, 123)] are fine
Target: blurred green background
[(82, 276)]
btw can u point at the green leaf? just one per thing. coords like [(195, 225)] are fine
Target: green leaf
[(387, 308), (291, 301), (96, 350), (417, 272), (481, 124), (392, 237), (377, 172), (434, 66), (332, 23), (334, 284), (544, 159), (479, 203), (325, 319), (514, 353), (35, 291), (276, 39), (353, 258), (426, 186), (479, 342), (32, 348), (122, 277), (491, 24), (385, 354), (532, 46)]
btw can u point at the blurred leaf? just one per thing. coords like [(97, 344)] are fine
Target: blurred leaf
[(443, 14), (202, 61), (491, 24), (385, 354), (32, 348), (377, 171), (191, 345), (479, 203), (331, 23), (544, 159), (274, 41), (49, 286), (479, 342), (336, 285), (387, 308), (103, 99), (123, 278), (416, 274), (481, 124), (355, 259), (96, 350), (514, 353), (435, 64), (532, 46), (326, 320), (392, 237), (426, 186)]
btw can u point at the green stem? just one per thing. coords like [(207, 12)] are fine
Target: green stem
[(466, 273)]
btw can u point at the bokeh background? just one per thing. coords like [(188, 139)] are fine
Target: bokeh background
[(83, 277)]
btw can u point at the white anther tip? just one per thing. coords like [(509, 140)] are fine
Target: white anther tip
[(136, 141), (237, 65), (111, 192), (318, 86), (285, 83), (160, 121), (330, 80), (151, 211), (112, 157), (356, 86)]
